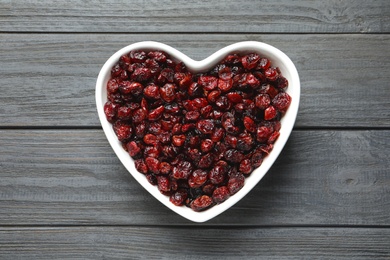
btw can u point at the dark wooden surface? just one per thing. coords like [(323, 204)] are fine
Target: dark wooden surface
[(64, 194)]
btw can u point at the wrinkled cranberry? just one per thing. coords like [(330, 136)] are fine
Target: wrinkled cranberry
[(110, 110), (208, 82), (281, 102), (153, 164), (122, 130), (201, 203), (235, 183), (182, 170), (197, 178), (221, 194), (168, 93), (206, 126), (133, 149), (270, 113), (178, 197)]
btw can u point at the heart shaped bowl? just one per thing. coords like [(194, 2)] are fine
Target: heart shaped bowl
[(277, 58)]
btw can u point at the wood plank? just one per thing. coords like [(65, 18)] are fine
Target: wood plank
[(49, 79), (252, 16), (72, 177), (194, 243)]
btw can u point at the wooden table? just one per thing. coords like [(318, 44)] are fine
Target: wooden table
[(64, 194)]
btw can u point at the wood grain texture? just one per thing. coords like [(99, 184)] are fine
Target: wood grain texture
[(72, 177), (194, 243), (49, 79), (303, 16)]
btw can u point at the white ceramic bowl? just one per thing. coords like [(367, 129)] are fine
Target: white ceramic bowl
[(277, 57)]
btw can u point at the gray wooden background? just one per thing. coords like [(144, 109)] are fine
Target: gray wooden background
[(64, 194)]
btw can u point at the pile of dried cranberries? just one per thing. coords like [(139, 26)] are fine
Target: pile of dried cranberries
[(196, 136)]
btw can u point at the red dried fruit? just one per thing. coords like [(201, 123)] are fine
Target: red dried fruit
[(156, 114), (201, 203), (197, 178), (217, 174), (192, 116), (141, 166), (233, 156), (262, 101), (178, 140), (112, 86), (250, 61), (133, 149), (159, 56), (178, 197), (271, 74), (152, 91), (235, 183), (270, 113), (124, 113), (245, 166), (168, 92), (263, 133), (165, 168), (122, 130), (220, 194), (163, 183), (206, 160), (137, 56), (234, 97), (206, 126), (110, 110), (281, 102), (208, 82), (150, 139), (225, 85), (153, 165), (182, 170), (206, 145), (249, 124), (196, 135)]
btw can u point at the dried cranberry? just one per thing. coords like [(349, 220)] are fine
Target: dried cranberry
[(206, 126), (141, 166), (201, 203), (217, 174), (165, 168), (168, 93), (152, 91), (233, 156), (208, 82), (221, 194), (110, 110), (270, 113), (124, 113), (122, 130), (235, 183), (197, 178), (245, 166), (206, 145), (178, 140), (182, 170), (133, 149), (250, 61), (163, 183), (206, 160), (178, 197), (281, 102), (262, 101), (153, 164)]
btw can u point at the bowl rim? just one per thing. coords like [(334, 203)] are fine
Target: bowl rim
[(278, 59)]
